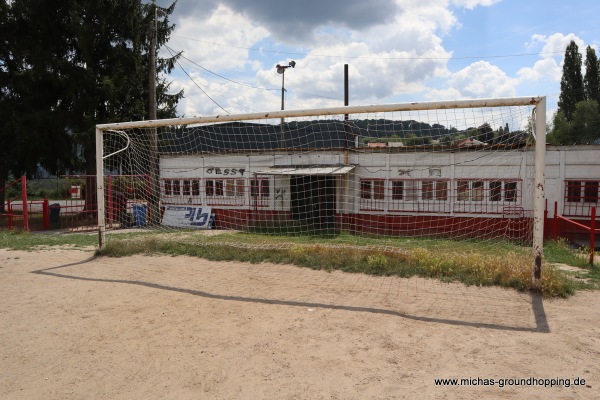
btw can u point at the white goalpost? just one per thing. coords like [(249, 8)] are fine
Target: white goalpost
[(447, 170)]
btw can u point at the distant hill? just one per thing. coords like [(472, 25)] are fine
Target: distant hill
[(236, 136)]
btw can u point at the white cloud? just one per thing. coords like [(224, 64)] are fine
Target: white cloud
[(386, 60), (546, 68), (471, 4), (554, 45), (549, 67), (478, 80), (232, 31)]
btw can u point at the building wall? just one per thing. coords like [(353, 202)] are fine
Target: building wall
[(391, 190)]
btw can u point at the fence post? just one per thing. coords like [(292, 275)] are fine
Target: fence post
[(592, 235), (555, 221), (10, 214), (25, 204), (46, 214), (545, 217)]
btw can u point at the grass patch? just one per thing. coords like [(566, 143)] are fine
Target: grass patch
[(499, 263), (22, 240), (503, 264), (562, 252)]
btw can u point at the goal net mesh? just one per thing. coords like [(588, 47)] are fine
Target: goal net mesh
[(445, 173)]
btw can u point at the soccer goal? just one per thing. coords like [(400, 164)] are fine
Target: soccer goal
[(449, 170)]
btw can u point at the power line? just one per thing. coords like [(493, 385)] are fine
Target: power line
[(241, 83), (198, 86), (371, 57), (220, 76)]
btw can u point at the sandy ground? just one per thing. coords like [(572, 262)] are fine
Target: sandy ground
[(185, 328)]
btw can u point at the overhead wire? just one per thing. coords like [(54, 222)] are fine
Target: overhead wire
[(371, 57), (195, 64), (221, 76), (193, 81)]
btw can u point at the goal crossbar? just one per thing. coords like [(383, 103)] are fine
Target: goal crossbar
[(414, 106)]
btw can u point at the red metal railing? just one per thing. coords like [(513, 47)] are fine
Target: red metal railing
[(10, 213), (590, 229), (77, 210)]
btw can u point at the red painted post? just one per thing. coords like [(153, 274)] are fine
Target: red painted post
[(592, 235), (545, 216), (46, 214), (555, 221), (10, 214), (25, 204)]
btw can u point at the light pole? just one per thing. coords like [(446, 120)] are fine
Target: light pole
[(281, 70)]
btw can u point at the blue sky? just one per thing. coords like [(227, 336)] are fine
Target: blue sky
[(397, 50)]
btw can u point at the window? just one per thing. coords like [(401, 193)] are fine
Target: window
[(234, 187), (241, 188), (469, 190), (495, 191), (372, 189), (477, 194), (434, 190), (441, 190), (573, 191), (219, 188), (186, 188), (510, 191), (379, 190), (265, 189), (230, 188), (462, 190), (365, 189), (590, 192), (176, 187), (398, 190), (427, 190), (578, 191), (260, 188), (210, 188), (195, 187), (168, 187)]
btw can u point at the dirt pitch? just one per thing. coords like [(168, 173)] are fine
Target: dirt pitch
[(185, 328)]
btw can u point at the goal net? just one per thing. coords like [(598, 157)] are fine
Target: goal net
[(440, 170)]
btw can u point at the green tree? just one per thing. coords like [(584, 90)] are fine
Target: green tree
[(591, 80), (582, 129), (485, 133), (32, 113), (73, 64), (586, 122), (571, 83), (4, 99)]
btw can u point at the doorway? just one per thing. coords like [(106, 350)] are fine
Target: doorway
[(313, 202)]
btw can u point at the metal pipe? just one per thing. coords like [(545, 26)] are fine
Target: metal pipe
[(592, 236), (539, 199), (100, 189), (507, 102)]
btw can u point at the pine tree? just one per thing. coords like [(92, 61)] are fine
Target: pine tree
[(74, 64), (571, 83)]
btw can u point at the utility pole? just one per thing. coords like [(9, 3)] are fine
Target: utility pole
[(281, 70), (152, 69), (153, 167)]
